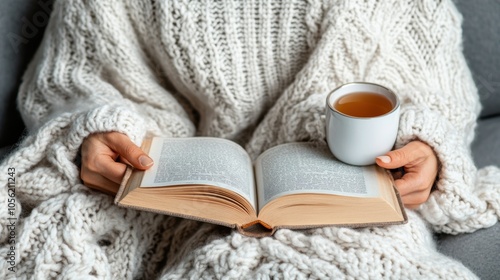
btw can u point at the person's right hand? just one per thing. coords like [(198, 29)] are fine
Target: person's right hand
[(105, 157)]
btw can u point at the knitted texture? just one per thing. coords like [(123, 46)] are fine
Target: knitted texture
[(256, 72)]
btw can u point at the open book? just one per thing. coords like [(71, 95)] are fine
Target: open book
[(295, 185)]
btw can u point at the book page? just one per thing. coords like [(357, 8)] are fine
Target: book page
[(201, 161), (310, 168)]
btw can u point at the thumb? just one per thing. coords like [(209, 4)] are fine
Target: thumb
[(130, 152), (396, 158)]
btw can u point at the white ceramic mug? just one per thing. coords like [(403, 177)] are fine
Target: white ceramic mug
[(359, 140)]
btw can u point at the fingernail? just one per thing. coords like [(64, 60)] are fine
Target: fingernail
[(385, 159), (145, 161)]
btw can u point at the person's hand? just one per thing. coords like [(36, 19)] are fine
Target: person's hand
[(105, 157), (420, 165)]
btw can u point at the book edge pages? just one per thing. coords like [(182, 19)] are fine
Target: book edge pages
[(359, 225), (123, 185), (173, 214)]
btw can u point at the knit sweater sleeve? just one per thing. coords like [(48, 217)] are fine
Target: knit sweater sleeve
[(415, 49), (91, 74), (91, 59)]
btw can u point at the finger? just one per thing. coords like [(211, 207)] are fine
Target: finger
[(122, 160), (412, 206), (415, 199), (99, 182), (403, 156), (102, 164), (107, 189), (409, 183), (128, 150), (397, 173), (109, 168)]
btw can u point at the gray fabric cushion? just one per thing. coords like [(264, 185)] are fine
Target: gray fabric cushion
[(22, 23), (481, 27), (486, 145), (478, 251)]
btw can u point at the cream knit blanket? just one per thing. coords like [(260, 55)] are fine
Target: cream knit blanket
[(256, 72)]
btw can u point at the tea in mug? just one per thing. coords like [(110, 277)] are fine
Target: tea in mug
[(363, 104)]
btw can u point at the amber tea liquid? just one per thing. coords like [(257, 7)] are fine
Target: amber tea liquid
[(363, 104)]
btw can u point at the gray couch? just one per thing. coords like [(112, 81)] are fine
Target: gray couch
[(21, 28)]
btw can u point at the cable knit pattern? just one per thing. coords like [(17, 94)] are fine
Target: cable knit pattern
[(256, 72)]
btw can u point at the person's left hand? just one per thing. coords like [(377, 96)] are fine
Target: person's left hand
[(420, 165)]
